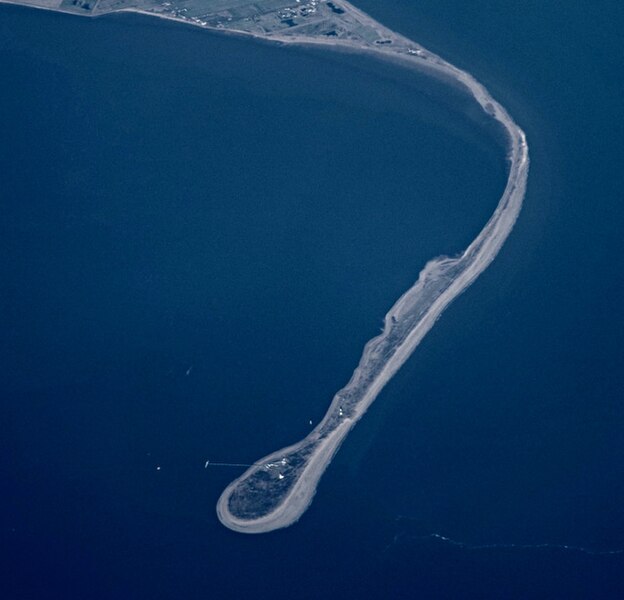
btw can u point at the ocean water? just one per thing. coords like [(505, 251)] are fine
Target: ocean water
[(199, 234)]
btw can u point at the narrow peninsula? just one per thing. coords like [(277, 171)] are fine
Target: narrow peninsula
[(278, 488)]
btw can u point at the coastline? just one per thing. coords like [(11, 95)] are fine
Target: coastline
[(482, 250), (479, 254)]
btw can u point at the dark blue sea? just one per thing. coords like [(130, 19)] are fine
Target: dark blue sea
[(199, 233)]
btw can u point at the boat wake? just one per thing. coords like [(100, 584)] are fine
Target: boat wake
[(404, 537)]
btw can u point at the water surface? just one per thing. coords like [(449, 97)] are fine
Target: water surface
[(174, 199)]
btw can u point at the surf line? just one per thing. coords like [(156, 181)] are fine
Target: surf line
[(259, 500)]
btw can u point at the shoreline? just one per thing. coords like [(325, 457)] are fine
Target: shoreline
[(481, 252), (413, 314)]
